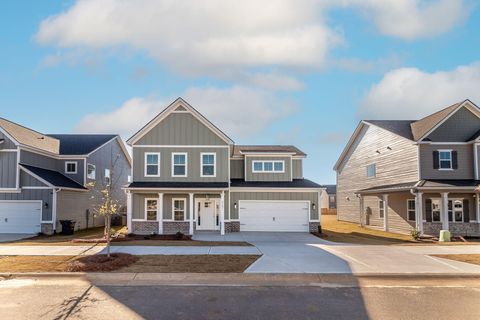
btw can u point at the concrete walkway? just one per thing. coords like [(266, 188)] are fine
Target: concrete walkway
[(8, 237)]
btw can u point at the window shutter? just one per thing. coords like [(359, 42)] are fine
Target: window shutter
[(428, 209), (466, 211), (454, 160), (436, 159)]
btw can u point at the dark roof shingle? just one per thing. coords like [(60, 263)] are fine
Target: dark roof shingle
[(296, 183), (81, 144), (399, 127), (237, 149), (188, 185), (55, 178)]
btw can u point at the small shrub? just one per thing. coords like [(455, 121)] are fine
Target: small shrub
[(415, 234), (101, 262), (179, 235)]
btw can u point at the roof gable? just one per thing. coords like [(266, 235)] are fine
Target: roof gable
[(239, 150), (461, 126), (179, 106)]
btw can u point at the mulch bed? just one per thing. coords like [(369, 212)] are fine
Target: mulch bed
[(101, 262), (132, 237)]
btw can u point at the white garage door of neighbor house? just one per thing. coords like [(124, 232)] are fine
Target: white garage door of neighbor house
[(20, 216), (279, 216)]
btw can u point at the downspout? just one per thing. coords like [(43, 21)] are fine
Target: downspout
[(54, 209), (418, 211)]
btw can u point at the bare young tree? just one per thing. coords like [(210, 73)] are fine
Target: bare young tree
[(106, 201)]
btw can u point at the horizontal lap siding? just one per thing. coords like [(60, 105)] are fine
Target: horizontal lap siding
[(307, 196), (8, 169), (397, 213), (395, 165), (45, 195)]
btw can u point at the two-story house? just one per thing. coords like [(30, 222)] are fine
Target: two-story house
[(48, 178), (189, 175), (424, 174)]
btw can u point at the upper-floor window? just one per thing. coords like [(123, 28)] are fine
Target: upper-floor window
[(179, 164), (208, 164), (445, 159), (91, 171), (71, 167), (152, 164), (268, 166), (371, 170), (107, 177)]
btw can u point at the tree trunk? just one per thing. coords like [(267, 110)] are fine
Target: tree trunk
[(107, 227)]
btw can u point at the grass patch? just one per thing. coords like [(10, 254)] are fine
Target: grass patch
[(142, 263), (59, 239), (101, 262), (468, 258)]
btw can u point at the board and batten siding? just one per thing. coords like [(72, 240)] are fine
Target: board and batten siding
[(237, 169), (297, 168), (26, 180), (45, 195), (270, 176), (7, 143), (8, 170), (460, 127), (193, 164), (276, 196), (464, 157), (396, 162), (180, 129)]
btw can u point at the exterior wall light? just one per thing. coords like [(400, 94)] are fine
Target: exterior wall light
[(235, 206), (314, 206)]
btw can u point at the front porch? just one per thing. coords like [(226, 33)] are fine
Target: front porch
[(176, 210), (426, 206)]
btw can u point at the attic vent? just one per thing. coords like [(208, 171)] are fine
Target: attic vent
[(180, 108)]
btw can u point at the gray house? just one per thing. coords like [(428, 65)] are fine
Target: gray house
[(188, 175), (43, 178), (399, 175)]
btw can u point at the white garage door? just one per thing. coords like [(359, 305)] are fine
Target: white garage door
[(20, 216), (274, 216)]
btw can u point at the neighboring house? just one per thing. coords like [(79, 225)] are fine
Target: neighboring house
[(399, 175), (188, 175), (329, 197), (43, 178)]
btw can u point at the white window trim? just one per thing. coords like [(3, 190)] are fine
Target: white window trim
[(453, 210), (440, 160), (214, 154), (439, 209), (381, 207), (71, 162), (94, 171), (409, 210), (186, 164), (263, 166), (158, 164), (145, 209), (107, 175), (184, 208), (374, 169)]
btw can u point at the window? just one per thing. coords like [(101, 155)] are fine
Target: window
[(91, 171), (107, 177), (71, 167), (208, 164), (371, 170), (151, 206), (381, 208), (152, 164), (436, 203), (455, 210), (411, 209), (178, 209), (445, 159), (268, 166), (179, 164)]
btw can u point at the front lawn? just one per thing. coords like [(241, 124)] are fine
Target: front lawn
[(145, 263), (468, 258)]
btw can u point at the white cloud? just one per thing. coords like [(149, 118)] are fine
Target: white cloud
[(239, 111), (409, 93)]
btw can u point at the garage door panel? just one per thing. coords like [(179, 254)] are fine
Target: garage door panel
[(20, 217), (276, 216)]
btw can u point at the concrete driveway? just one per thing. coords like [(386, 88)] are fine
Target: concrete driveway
[(8, 237)]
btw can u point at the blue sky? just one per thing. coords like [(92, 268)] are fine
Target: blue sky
[(289, 72)]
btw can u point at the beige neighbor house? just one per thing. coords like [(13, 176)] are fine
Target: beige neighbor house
[(423, 174), (189, 176)]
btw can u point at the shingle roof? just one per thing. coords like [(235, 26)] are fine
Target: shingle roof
[(55, 178), (296, 183), (399, 127), (237, 149), (422, 126), (81, 144), (331, 188), (449, 183), (390, 187), (188, 185), (29, 137)]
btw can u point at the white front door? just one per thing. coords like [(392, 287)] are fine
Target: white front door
[(206, 215), (20, 216), (278, 216)]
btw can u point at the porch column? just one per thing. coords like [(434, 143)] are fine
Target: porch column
[(444, 212), (160, 213), (419, 211), (222, 213), (362, 211), (129, 212), (385, 212), (477, 206), (190, 210)]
